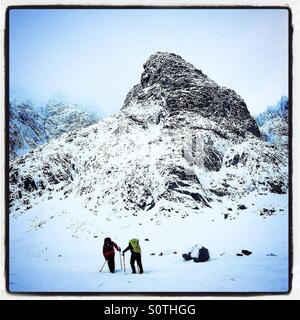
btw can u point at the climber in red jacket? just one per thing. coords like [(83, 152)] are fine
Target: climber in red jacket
[(109, 253)]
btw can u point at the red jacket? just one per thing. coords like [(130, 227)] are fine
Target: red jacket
[(109, 251)]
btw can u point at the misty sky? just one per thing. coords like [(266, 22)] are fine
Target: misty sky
[(94, 57)]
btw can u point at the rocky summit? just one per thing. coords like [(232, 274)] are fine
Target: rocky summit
[(180, 87), (179, 141)]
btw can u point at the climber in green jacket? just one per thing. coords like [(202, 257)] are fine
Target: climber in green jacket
[(135, 249)]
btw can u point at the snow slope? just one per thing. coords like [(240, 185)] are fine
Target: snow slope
[(57, 246)]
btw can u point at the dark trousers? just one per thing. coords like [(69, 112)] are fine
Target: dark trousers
[(111, 263), (136, 257)]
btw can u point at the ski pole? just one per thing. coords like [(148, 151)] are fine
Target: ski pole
[(103, 266)]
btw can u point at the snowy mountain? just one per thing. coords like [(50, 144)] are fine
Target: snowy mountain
[(280, 110), (178, 139), (273, 123), (62, 116), (181, 147), (26, 127), (30, 126)]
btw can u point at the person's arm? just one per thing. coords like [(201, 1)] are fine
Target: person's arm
[(129, 247), (104, 253), (116, 246)]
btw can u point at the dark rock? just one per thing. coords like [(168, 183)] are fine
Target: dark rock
[(29, 184), (220, 192), (42, 185), (267, 212), (276, 187), (52, 178), (14, 176), (203, 255), (196, 196), (246, 252), (212, 158), (187, 256), (150, 205), (181, 174), (172, 185), (235, 159), (242, 207)]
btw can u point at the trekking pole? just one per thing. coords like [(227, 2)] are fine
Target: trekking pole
[(124, 262), (121, 260), (103, 266)]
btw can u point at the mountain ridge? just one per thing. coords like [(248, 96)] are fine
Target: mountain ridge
[(30, 126), (273, 123)]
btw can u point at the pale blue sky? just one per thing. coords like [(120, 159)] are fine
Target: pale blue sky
[(94, 57)]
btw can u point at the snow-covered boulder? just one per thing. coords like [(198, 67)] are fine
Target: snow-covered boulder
[(197, 253)]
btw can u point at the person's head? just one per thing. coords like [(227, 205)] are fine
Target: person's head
[(107, 240)]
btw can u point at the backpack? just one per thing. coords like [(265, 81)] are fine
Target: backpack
[(135, 245), (203, 255)]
